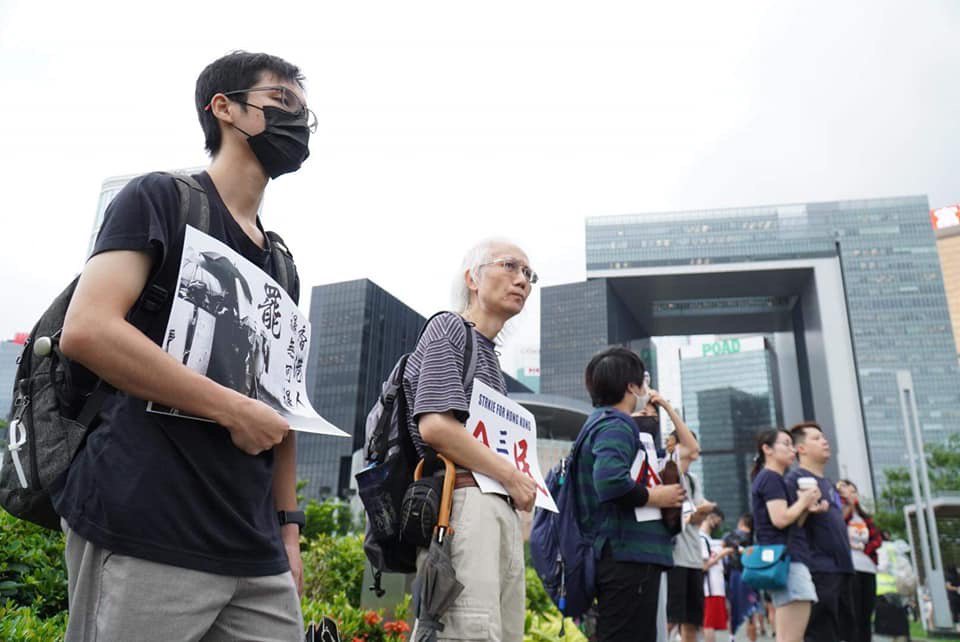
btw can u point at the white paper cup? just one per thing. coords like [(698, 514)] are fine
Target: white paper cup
[(806, 482)]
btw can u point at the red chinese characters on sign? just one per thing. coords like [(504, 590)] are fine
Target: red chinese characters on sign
[(481, 434), (647, 472), (520, 461)]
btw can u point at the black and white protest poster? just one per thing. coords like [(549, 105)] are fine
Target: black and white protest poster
[(231, 322)]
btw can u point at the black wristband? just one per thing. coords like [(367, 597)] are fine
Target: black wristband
[(292, 517), (635, 498)]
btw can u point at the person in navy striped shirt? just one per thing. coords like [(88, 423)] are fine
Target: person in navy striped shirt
[(487, 546)]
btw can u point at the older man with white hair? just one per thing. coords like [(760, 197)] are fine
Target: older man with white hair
[(487, 551)]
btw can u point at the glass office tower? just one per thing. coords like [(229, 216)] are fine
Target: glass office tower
[(359, 332), (856, 284), (730, 393)]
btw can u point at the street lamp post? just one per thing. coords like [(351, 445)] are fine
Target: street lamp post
[(926, 520)]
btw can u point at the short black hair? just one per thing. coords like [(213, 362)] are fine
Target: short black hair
[(610, 372), (235, 71), (799, 431), (747, 518)]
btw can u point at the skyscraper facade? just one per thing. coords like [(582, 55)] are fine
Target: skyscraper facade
[(359, 330), (855, 287), (9, 354), (946, 222), (730, 393)]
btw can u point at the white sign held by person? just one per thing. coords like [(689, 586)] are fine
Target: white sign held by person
[(646, 470), (508, 429), (234, 324)]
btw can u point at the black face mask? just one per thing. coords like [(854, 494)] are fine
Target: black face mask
[(649, 425), (282, 146)]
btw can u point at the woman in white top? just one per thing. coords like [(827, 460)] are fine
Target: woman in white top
[(865, 539)]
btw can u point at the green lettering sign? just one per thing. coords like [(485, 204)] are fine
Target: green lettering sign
[(717, 348)]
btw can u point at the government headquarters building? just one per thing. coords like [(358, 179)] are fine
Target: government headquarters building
[(836, 296)]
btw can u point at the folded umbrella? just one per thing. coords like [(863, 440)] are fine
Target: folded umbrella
[(436, 586)]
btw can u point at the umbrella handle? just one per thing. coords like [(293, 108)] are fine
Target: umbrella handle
[(446, 497)]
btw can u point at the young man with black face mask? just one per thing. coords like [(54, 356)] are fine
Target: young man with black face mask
[(178, 528)]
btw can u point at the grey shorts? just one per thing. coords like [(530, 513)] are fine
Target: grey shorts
[(800, 587), (116, 597)]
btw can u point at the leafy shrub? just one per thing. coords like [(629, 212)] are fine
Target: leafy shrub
[(329, 517), (333, 566), (544, 628), (357, 624), (543, 619), (538, 601), (32, 569), (21, 623)]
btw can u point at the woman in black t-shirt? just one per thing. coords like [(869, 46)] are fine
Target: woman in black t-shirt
[(774, 516)]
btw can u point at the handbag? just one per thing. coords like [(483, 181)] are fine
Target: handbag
[(766, 566), (672, 517)]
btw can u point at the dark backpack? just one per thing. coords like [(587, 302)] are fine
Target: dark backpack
[(57, 402), (390, 459), (562, 556)]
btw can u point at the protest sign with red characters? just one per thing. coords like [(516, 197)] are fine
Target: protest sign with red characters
[(646, 470), (510, 430)]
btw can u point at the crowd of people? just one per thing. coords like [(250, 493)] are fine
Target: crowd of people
[(214, 553), (831, 589)]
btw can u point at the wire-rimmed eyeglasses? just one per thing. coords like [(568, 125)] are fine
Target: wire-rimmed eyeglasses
[(288, 100), (515, 266)]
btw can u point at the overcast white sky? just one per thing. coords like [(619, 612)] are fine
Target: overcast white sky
[(445, 122)]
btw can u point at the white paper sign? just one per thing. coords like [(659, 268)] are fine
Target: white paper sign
[(510, 430), (232, 323), (646, 464)]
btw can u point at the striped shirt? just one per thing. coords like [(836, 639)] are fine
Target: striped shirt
[(602, 475), (433, 378)]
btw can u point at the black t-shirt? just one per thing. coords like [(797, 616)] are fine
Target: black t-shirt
[(826, 532), (768, 485), (163, 488)]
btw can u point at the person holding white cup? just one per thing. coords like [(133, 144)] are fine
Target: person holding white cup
[(831, 565), (777, 520)]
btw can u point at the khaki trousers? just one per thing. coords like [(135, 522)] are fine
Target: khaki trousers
[(487, 553), (115, 598)]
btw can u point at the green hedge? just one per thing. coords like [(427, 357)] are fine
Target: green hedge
[(33, 585)]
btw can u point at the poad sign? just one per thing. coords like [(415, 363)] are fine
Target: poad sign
[(508, 429)]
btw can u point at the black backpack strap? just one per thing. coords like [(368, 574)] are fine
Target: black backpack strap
[(194, 204), (706, 579), (469, 354), (194, 210), (283, 261), (469, 348)]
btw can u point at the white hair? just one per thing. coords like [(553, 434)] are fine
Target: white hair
[(475, 257)]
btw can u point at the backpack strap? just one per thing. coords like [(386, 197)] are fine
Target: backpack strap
[(195, 211), (469, 354), (706, 579), (587, 430), (469, 348), (283, 261)]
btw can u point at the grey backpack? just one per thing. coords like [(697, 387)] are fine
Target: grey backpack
[(390, 459)]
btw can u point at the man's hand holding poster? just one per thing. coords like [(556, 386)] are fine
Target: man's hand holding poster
[(234, 324), (510, 430)]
